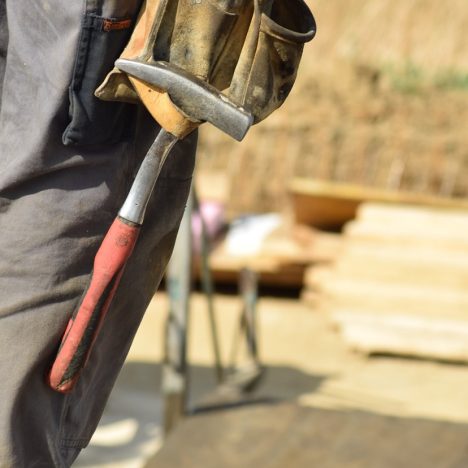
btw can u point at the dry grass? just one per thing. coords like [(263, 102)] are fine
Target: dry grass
[(428, 33), (381, 100)]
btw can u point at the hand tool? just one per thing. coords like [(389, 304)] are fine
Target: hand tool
[(199, 102), (250, 48)]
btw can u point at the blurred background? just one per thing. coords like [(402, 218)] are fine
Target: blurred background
[(324, 321)]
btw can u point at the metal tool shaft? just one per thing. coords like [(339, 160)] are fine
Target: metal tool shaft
[(195, 97), (134, 207), (109, 264)]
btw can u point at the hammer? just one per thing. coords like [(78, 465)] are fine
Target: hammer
[(197, 101)]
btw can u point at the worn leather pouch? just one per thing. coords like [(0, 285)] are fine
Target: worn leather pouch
[(248, 48), (269, 61), (205, 38)]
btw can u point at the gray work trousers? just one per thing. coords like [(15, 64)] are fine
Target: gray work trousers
[(56, 202)]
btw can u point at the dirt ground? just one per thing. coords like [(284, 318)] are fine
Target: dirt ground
[(306, 361)]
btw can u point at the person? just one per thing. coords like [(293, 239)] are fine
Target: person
[(66, 164)]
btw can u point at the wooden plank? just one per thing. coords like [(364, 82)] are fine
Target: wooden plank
[(272, 271), (414, 215), (439, 234), (399, 296), (409, 224), (399, 264), (376, 305), (395, 252), (361, 193), (323, 211), (423, 336), (312, 298), (416, 276), (325, 204), (290, 276), (423, 274)]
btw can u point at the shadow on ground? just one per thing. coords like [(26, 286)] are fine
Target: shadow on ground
[(132, 421), (278, 382), (266, 430), (287, 435)]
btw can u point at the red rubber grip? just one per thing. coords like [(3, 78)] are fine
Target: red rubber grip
[(84, 326)]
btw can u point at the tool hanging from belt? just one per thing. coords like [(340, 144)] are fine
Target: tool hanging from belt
[(227, 62)]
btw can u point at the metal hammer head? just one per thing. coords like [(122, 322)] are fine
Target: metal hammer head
[(194, 97)]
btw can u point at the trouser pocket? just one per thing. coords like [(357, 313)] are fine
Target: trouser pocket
[(101, 41)]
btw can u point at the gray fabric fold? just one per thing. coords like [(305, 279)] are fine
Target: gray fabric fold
[(56, 204)]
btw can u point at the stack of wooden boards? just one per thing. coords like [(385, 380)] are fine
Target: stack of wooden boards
[(400, 282)]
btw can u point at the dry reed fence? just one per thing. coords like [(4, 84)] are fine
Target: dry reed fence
[(381, 101)]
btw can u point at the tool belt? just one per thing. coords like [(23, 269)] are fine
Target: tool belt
[(249, 49)]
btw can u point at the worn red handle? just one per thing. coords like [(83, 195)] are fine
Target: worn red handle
[(86, 322)]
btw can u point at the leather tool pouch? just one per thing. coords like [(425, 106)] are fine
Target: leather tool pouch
[(205, 38), (250, 49), (267, 67)]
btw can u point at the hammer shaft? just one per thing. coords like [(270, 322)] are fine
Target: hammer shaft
[(203, 103), (134, 207), (109, 264)]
